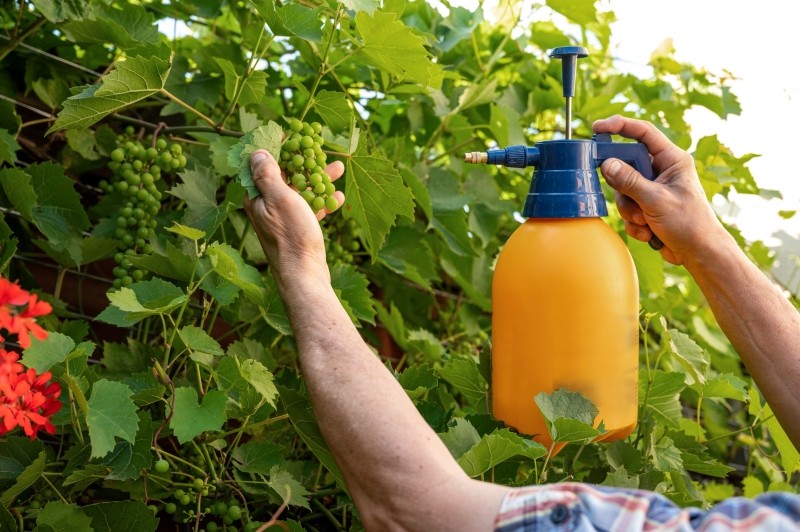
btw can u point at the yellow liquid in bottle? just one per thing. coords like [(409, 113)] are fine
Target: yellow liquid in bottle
[(565, 315)]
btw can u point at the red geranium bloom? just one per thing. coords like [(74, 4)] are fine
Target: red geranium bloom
[(9, 364), (24, 322), (12, 294), (28, 400)]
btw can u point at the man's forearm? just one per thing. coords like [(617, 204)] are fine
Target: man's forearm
[(761, 324), (390, 457)]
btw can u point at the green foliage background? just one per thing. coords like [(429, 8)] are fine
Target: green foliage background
[(197, 365)]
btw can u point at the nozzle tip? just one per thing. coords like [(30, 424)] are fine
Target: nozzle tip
[(476, 157)]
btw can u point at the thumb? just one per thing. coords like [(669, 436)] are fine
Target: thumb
[(628, 182), (266, 173)]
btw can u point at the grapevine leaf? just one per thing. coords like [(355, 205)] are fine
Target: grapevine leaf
[(368, 6), (64, 517), (418, 379), (418, 267), (140, 300), (8, 147), (131, 80), (266, 137), (289, 489), (175, 264), (463, 374), (230, 265), (128, 27), (790, 457), (649, 268), (61, 10), (16, 454), (243, 399), (254, 85), (121, 516), (566, 429), (257, 457), (449, 217), (111, 413), (44, 195), (565, 404), (291, 20), (726, 386), (190, 418), (259, 378), (298, 406), (26, 479), (496, 448), (220, 147), (752, 486), (666, 457), (619, 478), (8, 243), (128, 459), (187, 232), (196, 339), (352, 287), (460, 438), (390, 45), (689, 355), (44, 354), (334, 110), (199, 190), (376, 195), (426, 342), (582, 12), (663, 399)]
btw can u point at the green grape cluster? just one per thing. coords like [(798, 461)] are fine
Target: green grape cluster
[(342, 240), (304, 162), (137, 167)]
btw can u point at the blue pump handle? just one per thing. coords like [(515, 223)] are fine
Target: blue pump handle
[(635, 154)]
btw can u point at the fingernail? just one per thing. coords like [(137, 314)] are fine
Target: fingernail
[(614, 167), (258, 157)]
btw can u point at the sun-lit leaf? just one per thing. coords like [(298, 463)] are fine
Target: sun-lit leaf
[(376, 196), (495, 448), (394, 47), (44, 354), (131, 80)]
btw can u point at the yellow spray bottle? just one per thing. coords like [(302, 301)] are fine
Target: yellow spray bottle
[(565, 292)]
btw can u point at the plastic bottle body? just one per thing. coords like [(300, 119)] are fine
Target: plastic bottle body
[(565, 315)]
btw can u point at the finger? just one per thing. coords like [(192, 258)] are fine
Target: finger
[(629, 209), (639, 232), (339, 195), (640, 130), (628, 182), (266, 173), (335, 170)]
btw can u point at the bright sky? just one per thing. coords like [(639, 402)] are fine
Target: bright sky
[(757, 43)]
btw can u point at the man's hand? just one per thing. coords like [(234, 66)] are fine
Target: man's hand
[(285, 224), (674, 206)]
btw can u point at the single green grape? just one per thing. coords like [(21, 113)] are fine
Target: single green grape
[(318, 203), (331, 203), (117, 155)]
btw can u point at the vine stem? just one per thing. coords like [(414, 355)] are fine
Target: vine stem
[(247, 73), (322, 70), (189, 108), (18, 38), (55, 489)]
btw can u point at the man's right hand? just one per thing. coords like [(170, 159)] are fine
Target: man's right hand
[(674, 207)]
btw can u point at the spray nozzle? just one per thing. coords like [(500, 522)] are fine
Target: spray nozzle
[(569, 56)]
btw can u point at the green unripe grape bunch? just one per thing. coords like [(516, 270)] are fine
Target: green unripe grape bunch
[(137, 166), (304, 161)]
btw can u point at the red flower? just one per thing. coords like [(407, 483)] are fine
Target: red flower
[(12, 294), (24, 322), (27, 400), (9, 364)]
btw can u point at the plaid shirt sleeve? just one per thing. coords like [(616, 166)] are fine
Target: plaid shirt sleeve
[(585, 507)]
